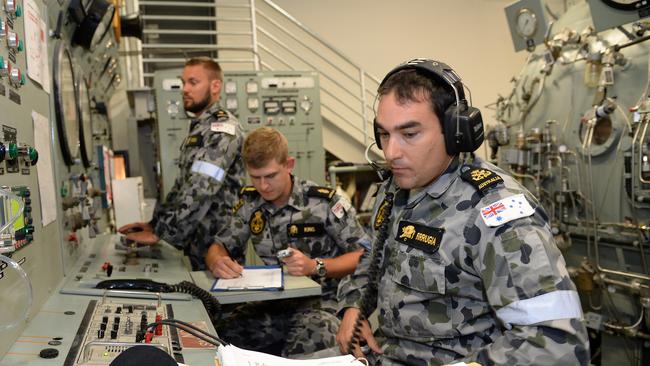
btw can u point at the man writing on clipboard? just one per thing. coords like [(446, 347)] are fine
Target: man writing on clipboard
[(315, 231)]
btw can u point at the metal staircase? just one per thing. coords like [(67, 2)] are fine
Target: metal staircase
[(259, 35)]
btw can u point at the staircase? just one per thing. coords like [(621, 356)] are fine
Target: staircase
[(259, 35)]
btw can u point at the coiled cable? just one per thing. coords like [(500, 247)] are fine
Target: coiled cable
[(210, 303)]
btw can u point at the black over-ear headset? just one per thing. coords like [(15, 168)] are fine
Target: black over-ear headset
[(462, 124)]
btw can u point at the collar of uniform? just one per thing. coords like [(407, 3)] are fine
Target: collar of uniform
[(205, 116), (440, 185)]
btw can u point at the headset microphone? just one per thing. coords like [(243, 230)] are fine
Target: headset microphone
[(382, 172)]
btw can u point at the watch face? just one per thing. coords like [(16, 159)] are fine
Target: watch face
[(626, 4), (526, 23)]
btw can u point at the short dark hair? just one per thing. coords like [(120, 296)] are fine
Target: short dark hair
[(209, 64), (412, 85)]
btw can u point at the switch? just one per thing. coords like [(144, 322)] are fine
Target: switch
[(10, 6), (159, 326), (113, 334), (12, 39), (100, 333)]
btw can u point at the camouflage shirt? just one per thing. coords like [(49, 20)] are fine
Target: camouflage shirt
[(468, 274), (210, 177), (316, 221)]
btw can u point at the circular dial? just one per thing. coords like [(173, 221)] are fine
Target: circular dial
[(526, 23), (626, 4), (86, 125), (65, 103)]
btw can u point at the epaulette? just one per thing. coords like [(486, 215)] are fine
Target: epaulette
[(322, 192), (248, 191), (221, 115), (238, 205), (482, 179)]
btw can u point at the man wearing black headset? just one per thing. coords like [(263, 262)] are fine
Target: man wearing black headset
[(465, 268)]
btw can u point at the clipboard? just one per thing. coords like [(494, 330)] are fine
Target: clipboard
[(254, 278)]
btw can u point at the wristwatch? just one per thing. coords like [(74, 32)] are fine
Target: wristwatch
[(321, 271)]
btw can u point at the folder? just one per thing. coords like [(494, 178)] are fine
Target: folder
[(253, 278)]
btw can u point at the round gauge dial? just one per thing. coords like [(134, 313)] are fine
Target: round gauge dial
[(526, 23), (626, 4), (86, 125), (65, 103), (231, 87)]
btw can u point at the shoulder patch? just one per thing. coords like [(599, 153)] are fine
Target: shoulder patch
[(221, 115), (223, 127), (322, 192), (238, 205), (506, 210), (248, 191), (381, 214), (481, 179)]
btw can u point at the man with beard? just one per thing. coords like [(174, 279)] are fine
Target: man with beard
[(211, 170)]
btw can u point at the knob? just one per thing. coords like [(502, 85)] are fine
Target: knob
[(10, 6), (15, 76), (13, 151), (113, 334), (12, 39), (100, 333)]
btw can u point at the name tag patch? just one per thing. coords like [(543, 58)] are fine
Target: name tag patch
[(419, 236), (305, 230)]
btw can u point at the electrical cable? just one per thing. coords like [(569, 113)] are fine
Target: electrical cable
[(30, 298), (189, 328), (210, 303)]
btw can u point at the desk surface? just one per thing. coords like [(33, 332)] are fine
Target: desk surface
[(294, 286)]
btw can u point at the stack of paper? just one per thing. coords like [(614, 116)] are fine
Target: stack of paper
[(233, 356), (253, 278)]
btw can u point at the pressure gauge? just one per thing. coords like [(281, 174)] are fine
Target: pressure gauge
[(526, 23), (306, 105), (65, 103), (86, 125), (251, 87), (253, 104), (232, 104), (231, 87)]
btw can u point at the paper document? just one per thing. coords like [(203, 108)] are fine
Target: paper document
[(253, 278), (230, 355)]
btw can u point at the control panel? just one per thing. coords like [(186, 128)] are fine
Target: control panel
[(288, 101), (110, 327)]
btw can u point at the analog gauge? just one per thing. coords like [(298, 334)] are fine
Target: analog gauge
[(251, 87), (253, 104), (65, 103), (526, 23), (94, 21), (86, 125), (306, 105), (631, 5), (231, 104), (231, 87)]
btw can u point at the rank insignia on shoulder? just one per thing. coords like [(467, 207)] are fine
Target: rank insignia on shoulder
[(237, 206), (381, 214), (193, 141), (481, 179), (256, 222), (248, 191), (221, 115), (419, 236), (323, 192), (506, 210), (305, 230)]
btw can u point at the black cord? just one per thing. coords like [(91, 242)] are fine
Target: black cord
[(210, 303), (368, 297)]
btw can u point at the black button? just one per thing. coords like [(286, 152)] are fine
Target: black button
[(49, 353)]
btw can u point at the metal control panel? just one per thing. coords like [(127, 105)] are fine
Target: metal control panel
[(288, 101), (110, 327)]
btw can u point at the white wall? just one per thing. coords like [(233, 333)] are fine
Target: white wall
[(470, 35)]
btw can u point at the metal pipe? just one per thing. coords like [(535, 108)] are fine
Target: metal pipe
[(256, 57)]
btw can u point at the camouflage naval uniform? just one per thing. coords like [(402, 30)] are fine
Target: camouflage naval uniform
[(211, 175), (319, 223), (454, 289)]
